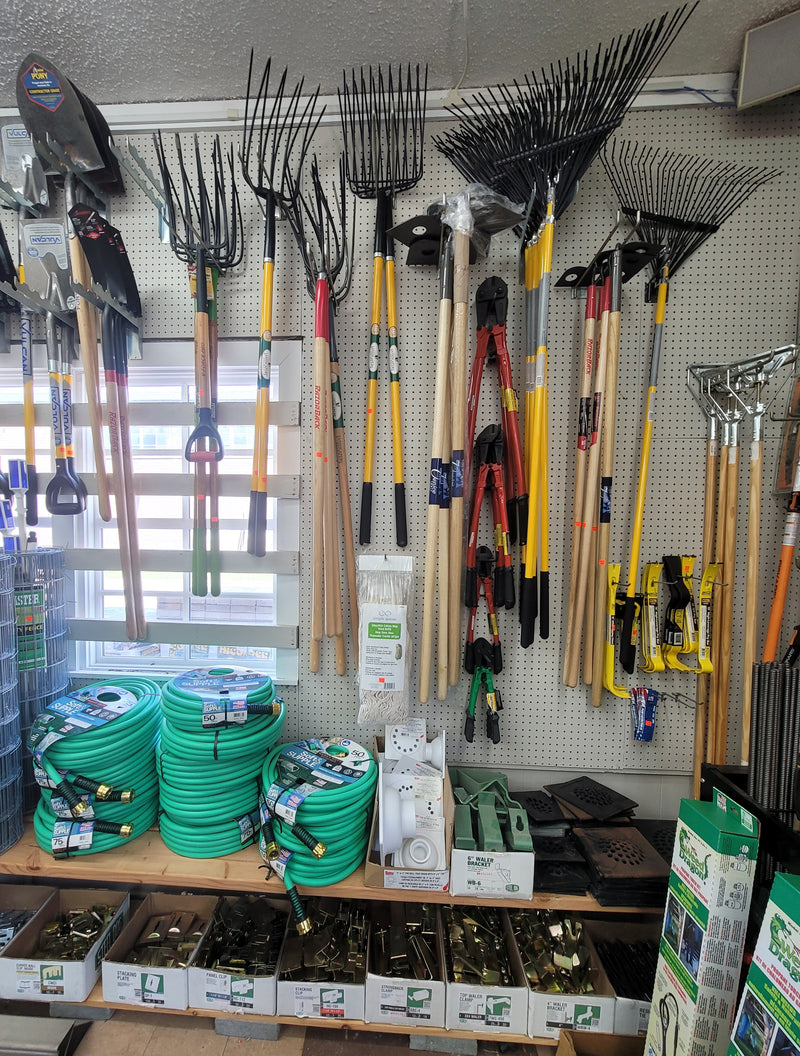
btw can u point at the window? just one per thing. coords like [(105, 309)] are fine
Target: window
[(254, 620)]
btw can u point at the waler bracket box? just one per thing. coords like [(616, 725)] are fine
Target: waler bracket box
[(702, 937), (498, 1009), (22, 976), (134, 984), (768, 1020)]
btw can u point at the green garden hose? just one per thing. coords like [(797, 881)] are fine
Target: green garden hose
[(94, 756), (218, 726), (316, 809)]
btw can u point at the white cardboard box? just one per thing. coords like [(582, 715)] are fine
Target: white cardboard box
[(549, 1014), (492, 874), (133, 984), (321, 1000), (408, 1002), (231, 992), (30, 979), (497, 1009)]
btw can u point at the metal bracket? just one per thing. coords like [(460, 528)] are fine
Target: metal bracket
[(97, 296), (35, 303)]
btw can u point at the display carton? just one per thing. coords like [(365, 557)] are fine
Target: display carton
[(132, 984), (768, 1019), (574, 1044), (408, 1001), (549, 1013), (28, 897), (497, 1009), (630, 1016), (702, 938), (22, 976), (229, 991)]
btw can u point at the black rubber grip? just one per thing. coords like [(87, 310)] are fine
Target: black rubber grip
[(257, 524), (508, 587), (511, 513), (32, 498), (64, 788), (544, 604), (528, 605), (365, 523), (497, 658), (469, 729), (471, 588), (499, 588), (469, 658), (627, 648), (493, 727), (113, 828), (400, 521), (522, 518)]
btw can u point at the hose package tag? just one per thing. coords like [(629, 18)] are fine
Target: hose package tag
[(223, 693), (223, 709), (385, 588), (69, 836), (249, 825), (78, 712)]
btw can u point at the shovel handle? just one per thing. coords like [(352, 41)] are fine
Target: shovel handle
[(204, 430), (64, 496)]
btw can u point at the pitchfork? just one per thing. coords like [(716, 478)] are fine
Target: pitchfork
[(206, 234)]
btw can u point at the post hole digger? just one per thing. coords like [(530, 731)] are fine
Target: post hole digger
[(678, 202), (276, 139), (205, 232), (383, 125)]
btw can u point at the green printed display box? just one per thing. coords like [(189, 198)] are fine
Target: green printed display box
[(134, 984), (26, 977), (768, 1020), (702, 937), (410, 1002)]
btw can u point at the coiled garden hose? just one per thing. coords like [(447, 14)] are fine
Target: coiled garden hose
[(95, 758), (219, 724), (316, 809)]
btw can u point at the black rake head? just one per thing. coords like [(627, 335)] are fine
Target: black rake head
[(383, 125), (536, 138), (277, 135), (201, 221), (680, 199)]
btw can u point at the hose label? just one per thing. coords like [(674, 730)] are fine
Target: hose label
[(223, 710), (323, 764), (71, 836), (249, 825), (78, 712), (61, 809)]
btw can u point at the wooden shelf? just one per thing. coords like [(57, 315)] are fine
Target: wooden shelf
[(95, 1000), (147, 862)]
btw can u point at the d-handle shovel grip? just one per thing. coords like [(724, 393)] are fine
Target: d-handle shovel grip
[(64, 495), (627, 646), (204, 430)]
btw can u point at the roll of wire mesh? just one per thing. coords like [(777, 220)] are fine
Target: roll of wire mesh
[(218, 726), (94, 760)]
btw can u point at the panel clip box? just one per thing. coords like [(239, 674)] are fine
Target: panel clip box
[(702, 938)]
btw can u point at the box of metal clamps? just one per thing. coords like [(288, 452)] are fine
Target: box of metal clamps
[(405, 980), (322, 974), (702, 938), (486, 986), (236, 965), (57, 955), (148, 964)]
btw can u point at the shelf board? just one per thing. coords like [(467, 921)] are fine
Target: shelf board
[(95, 1000), (147, 862)]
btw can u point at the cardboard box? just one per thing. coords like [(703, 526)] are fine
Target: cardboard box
[(497, 1009), (378, 875), (230, 991), (31, 979), (702, 938), (549, 1013), (768, 1019), (492, 874), (575, 1044), (321, 1000), (132, 984), (24, 897), (408, 1001), (630, 1016)]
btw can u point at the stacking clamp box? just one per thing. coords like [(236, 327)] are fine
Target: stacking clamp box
[(768, 1020), (408, 1002), (496, 1009), (133, 984), (33, 979), (550, 1013), (702, 938), (230, 991)]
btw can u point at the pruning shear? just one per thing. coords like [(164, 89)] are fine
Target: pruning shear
[(482, 680)]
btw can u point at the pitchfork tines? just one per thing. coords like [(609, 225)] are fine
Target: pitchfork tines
[(277, 136), (383, 120)]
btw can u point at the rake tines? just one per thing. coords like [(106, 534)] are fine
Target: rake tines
[(383, 124)]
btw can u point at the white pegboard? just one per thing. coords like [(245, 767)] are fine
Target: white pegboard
[(737, 296)]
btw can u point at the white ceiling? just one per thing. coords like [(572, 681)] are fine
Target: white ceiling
[(127, 51)]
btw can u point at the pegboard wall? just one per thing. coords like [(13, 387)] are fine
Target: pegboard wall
[(737, 296)]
